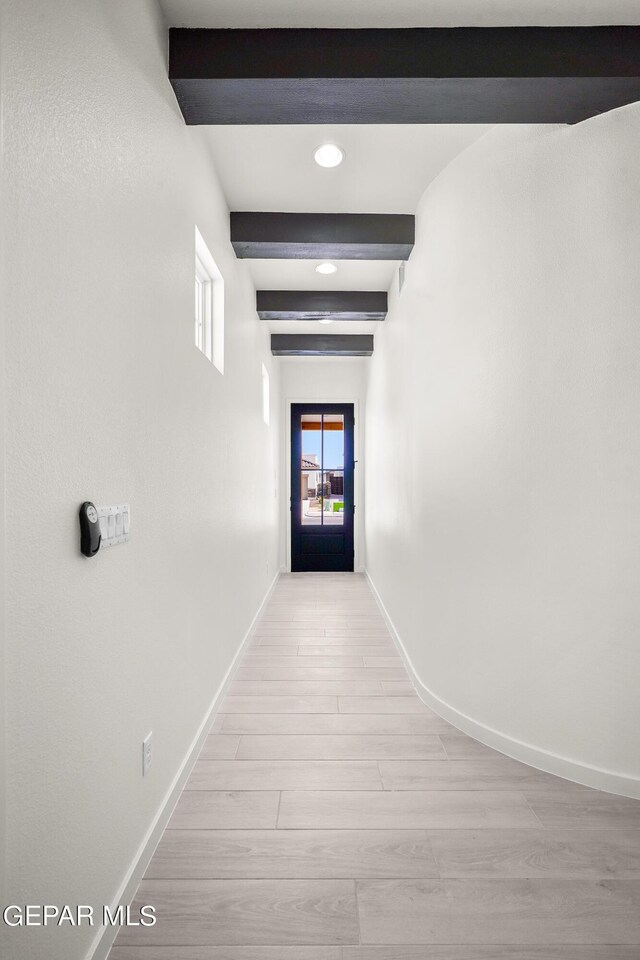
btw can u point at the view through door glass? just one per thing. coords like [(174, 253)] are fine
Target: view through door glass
[(322, 487), (322, 469)]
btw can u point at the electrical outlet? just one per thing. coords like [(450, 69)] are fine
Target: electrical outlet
[(147, 745)]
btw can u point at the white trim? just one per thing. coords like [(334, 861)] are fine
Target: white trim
[(213, 304), (565, 767), (103, 940), (356, 456)]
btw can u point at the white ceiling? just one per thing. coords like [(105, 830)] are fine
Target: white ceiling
[(387, 167), (301, 275), (338, 326), (398, 13), (386, 170)]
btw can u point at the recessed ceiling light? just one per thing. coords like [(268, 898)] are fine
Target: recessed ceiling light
[(326, 268), (325, 320), (329, 155)]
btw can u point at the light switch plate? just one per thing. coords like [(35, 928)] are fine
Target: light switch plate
[(115, 524)]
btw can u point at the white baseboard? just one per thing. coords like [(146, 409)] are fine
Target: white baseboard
[(106, 935), (568, 769)]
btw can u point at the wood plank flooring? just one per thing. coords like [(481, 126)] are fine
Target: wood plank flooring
[(331, 815)]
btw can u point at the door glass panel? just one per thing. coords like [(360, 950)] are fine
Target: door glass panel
[(333, 469), (333, 497), (311, 469), (322, 469), (333, 441)]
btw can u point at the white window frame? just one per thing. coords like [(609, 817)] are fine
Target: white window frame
[(209, 305), (203, 311)]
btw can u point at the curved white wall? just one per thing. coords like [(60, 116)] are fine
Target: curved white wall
[(503, 447)]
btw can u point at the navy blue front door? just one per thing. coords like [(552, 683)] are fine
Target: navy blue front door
[(322, 484)]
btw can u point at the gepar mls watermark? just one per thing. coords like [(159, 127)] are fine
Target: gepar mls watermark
[(77, 915)]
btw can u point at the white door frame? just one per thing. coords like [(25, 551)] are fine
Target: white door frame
[(356, 477)]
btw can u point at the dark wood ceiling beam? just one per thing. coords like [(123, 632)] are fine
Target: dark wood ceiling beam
[(412, 75), (319, 236), (316, 304), (321, 345)]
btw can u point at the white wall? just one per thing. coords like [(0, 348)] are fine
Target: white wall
[(110, 401), (330, 380), (503, 447)]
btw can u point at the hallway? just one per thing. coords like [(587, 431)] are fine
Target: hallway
[(333, 816), (349, 288)]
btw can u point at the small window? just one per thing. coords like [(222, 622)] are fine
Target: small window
[(209, 305), (265, 394)]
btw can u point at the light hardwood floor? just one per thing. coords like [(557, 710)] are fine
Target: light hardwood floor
[(333, 816)]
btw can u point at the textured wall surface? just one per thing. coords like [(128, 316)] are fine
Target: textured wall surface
[(109, 400), (503, 441), (330, 381)]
